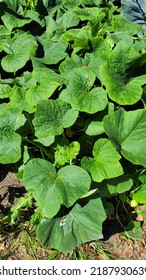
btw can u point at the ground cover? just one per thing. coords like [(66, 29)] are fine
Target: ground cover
[(72, 129)]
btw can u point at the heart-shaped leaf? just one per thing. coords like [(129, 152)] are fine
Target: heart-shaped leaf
[(18, 95), (46, 83), (78, 92), (11, 119), (19, 50), (105, 164), (117, 75), (127, 131), (115, 186), (53, 51), (51, 117), (52, 189), (11, 21), (140, 194), (82, 224)]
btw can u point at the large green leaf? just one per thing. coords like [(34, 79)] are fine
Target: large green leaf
[(78, 92), (127, 131), (100, 54), (92, 14), (82, 224), (5, 34), (80, 37), (140, 194), (11, 21), (68, 20), (11, 4), (94, 127), (19, 50), (69, 4), (117, 75), (46, 83), (52, 189), (70, 63), (52, 27), (91, 2), (123, 29), (105, 164), (115, 186), (18, 95), (33, 16), (51, 117), (53, 51), (5, 90), (26, 80), (10, 141)]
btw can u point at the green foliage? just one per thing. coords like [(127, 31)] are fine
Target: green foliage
[(66, 153), (127, 131), (51, 189), (72, 113), (51, 117), (133, 231), (21, 204), (19, 50), (121, 84), (11, 119), (80, 225), (105, 164)]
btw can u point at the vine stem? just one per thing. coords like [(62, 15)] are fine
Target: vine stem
[(30, 122), (42, 150), (117, 215)]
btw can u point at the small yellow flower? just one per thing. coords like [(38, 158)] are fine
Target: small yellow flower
[(133, 203)]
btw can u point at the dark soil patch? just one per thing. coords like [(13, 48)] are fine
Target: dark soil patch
[(10, 189)]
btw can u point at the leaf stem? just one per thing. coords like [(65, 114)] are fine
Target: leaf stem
[(30, 122), (42, 154), (42, 150)]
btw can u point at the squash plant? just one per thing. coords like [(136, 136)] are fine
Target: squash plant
[(72, 111)]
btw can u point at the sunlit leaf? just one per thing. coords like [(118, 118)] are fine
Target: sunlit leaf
[(52, 189), (105, 164)]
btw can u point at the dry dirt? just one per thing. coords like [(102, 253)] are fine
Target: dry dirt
[(19, 242)]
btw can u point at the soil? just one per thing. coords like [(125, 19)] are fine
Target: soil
[(19, 243)]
